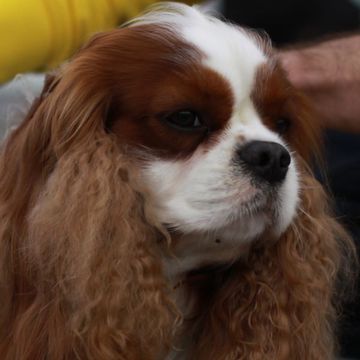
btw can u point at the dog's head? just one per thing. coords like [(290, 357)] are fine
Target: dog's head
[(220, 127), (215, 124), (177, 127)]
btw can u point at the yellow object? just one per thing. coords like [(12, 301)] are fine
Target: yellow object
[(39, 34)]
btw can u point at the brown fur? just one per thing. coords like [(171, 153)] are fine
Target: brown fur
[(275, 98), (80, 276)]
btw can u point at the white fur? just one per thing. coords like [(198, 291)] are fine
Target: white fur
[(216, 207)]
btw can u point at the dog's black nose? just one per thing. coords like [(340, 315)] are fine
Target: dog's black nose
[(266, 160)]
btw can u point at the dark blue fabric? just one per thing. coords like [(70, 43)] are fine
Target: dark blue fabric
[(343, 177)]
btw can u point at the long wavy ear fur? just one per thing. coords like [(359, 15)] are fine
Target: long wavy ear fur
[(282, 303), (78, 272)]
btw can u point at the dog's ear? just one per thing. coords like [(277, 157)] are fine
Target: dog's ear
[(282, 302), (79, 275)]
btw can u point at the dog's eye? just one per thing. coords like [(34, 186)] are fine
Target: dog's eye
[(184, 119), (282, 125)]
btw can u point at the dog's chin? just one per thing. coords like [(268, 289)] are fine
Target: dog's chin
[(223, 237), (223, 245)]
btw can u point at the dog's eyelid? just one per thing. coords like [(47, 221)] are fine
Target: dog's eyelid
[(283, 124), (185, 119)]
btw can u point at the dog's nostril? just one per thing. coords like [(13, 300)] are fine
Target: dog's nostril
[(285, 159), (266, 160)]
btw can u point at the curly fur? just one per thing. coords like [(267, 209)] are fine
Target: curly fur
[(79, 278), (79, 254), (283, 302)]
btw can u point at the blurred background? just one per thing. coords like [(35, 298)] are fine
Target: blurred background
[(38, 35)]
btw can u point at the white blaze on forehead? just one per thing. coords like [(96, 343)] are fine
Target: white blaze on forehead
[(229, 50)]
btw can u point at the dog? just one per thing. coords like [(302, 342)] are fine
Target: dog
[(157, 202)]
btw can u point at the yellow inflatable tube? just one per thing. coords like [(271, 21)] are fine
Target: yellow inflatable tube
[(39, 34)]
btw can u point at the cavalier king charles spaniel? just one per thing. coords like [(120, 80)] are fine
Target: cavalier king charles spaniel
[(156, 203)]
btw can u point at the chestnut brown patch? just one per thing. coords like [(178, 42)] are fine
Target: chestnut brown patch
[(150, 73), (285, 110)]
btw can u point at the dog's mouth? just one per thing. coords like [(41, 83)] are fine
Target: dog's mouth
[(262, 203), (259, 203), (260, 208)]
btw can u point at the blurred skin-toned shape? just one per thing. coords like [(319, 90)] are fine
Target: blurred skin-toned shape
[(329, 72)]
